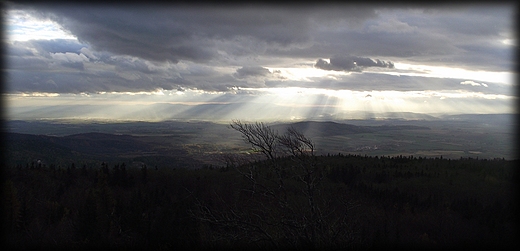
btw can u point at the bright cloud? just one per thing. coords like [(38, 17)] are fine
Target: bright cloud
[(502, 77), (21, 26), (469, 82)]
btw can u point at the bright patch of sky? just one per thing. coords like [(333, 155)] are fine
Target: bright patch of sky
[(503, 77), (21, 26)]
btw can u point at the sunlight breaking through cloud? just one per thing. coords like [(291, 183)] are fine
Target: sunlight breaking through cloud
[(21, 26), (447, 72), (263, 103), (271, 64)]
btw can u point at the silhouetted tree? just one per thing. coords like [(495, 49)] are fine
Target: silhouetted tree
[(280, 207), (144, 174)]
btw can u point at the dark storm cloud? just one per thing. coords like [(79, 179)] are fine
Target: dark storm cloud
[(17, 49), (49, 55), (351, 63), (143, 48), (173, 33), (76, 70), (483, 20), (252, 71), (75, 81), (29, 63), (472, 34), (140, 65), (74, 65)]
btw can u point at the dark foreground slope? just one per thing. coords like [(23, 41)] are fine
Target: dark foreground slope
[(400, 202)]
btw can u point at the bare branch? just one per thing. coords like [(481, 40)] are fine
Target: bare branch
[(267, 214), (296, 143), (260, 136)]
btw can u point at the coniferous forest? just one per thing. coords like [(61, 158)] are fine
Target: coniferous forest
[(291, 198)]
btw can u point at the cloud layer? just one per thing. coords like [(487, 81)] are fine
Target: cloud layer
[(209, 48), (174, 33), (351, 63)]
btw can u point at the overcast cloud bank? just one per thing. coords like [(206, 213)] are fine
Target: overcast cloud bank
[(149, 48)]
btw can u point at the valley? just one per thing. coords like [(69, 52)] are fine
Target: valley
[(193, 144)]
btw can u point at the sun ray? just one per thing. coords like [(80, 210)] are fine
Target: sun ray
[(293, 103)]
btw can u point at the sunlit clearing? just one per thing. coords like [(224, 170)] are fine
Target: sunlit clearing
[(340, 103), (20, 26), (509, 41), (447, 72), (306, 73), (252, 104)]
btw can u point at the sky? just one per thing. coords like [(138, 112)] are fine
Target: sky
[(257, 62)]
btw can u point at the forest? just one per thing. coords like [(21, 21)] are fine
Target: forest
[(281, 196)]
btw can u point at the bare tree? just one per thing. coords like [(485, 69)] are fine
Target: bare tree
[(268, 213), (296, 143), (260, 136)]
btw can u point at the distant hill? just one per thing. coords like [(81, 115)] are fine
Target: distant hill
[(406, 116), (195, 142), (324, 129), (507, 119)]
